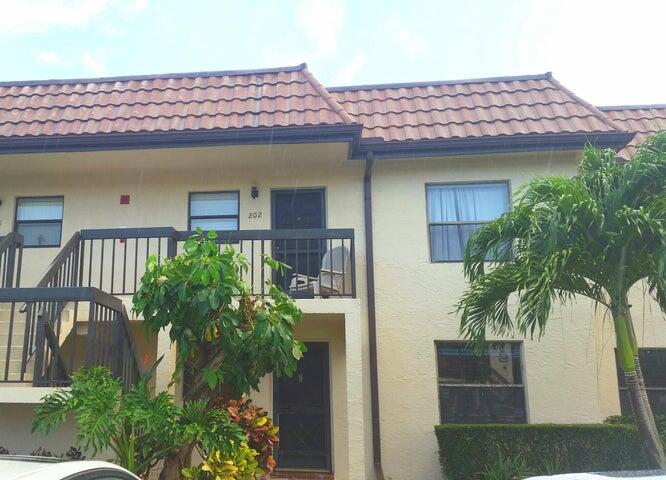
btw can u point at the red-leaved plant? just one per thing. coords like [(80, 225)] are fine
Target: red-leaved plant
[(261, 433)]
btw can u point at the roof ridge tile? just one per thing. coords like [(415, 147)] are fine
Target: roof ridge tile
[(598, 113), (157, 76), (381, 86), (328, 98)]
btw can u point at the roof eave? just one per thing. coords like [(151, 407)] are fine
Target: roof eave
[(181, 139), (487, 145)]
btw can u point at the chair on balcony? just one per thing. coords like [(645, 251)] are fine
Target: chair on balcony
[(334, 276)]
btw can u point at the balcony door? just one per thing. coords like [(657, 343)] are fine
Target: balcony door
[(302, 411), (302, 208)]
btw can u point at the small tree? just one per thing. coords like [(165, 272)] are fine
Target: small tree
[(595, 235), (226, 338)]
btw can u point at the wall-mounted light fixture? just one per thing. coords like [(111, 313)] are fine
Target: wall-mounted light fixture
[(254, 192)]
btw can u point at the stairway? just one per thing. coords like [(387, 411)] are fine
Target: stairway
[(13, 343)]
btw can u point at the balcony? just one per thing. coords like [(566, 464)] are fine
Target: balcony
[(75, 315), (322, 262)]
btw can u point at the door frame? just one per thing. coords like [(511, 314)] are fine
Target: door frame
[(320, 190), (328, 434)]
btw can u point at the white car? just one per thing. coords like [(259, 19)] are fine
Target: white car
[(594, 476), (16, 467)]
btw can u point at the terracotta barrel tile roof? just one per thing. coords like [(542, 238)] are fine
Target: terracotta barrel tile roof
[(292, 97), (642, 119), (282, 97), (471, 108)]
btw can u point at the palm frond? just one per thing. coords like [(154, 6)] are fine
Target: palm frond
[(592, 235), (484, 305)]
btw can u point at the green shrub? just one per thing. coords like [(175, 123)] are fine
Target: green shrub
[(660, 420), (506, 468), (471, 451)]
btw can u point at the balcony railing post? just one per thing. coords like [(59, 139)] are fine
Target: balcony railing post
[(19, 264), (81, 262), (117, 345), (352, 260), (172, 245), (9, 265), (11, 254), (90, 335), (40, 347)]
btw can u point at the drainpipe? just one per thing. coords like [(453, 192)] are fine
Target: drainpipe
[(372, 317)]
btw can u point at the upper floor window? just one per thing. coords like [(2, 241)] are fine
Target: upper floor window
[(653, 365), (39, 220), (480, 387), (455, 211), (213, 211)]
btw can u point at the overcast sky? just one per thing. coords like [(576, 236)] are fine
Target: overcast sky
[(608, 52)]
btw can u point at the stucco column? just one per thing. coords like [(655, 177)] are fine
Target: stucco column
[(167, 366), (354, 380)]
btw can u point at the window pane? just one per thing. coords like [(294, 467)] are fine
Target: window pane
[(653, 364), (204, 204), (448, 242), (482, 404), (40, 234), (500, 365), (467, 203), (215, 224), (657, 400), (39, 209)]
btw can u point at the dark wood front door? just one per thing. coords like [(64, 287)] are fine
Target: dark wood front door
[(302, 411), (298, 208)]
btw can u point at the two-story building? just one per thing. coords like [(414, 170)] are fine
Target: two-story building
[(368, 192)]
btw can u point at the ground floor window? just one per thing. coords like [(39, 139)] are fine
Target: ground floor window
[(653, 364), (484, 387)]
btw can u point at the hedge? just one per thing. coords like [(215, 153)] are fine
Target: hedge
[(467, 450)]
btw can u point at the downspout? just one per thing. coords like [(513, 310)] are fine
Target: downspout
[(372, 317)]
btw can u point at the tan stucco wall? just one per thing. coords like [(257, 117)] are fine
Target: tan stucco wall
[(327, 328), (159, 181), (569, 374), (15, 424)]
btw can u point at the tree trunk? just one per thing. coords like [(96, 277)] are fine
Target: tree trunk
[(647, 430), (171, 468), (646, 399), (195, 387), (628, 355), (175, 462)]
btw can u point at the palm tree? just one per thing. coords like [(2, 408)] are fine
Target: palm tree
[(594, 235)]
